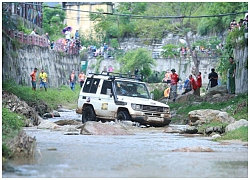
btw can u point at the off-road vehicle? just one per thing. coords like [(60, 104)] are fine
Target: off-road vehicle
[(113, 96)]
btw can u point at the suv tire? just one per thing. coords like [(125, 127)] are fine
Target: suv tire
[(88, 114), (123, 115)]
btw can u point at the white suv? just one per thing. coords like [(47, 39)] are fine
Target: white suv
[(110, 96)]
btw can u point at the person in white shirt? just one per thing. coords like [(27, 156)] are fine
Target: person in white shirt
[(33, 32)]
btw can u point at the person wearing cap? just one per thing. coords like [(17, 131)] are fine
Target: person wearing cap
[(33, 79), (174, 80)]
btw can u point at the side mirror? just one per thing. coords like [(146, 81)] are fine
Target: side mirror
[(152, 95)]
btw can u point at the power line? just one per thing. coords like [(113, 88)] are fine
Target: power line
[(140, 16)]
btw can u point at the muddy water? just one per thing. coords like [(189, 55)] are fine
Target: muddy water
[(147, 154)]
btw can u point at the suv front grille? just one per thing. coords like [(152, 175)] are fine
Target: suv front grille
[(147, 108)]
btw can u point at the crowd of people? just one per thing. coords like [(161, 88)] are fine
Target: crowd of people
[(104, 51), (241, 23), (194, 82)]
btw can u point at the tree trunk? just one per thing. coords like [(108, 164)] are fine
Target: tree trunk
[(194, 56)]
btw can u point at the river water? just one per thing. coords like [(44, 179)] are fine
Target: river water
[(147, 154)]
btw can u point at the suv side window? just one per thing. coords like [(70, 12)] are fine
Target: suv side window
[(106, 85), (91, 85)]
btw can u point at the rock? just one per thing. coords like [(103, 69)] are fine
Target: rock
[(216, 136), (193, 149), (236, 125), (208, 115), (55, 114), (217, 90), (170, 130), (190, 130), (72, 133), (98, 128), (67, 122), (46, 124), (47, 115), (216, 96), (184, 97)]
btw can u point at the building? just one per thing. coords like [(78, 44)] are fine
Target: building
[(77, 15)]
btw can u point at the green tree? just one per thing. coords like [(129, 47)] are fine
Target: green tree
[(53, 20), (140, 58)]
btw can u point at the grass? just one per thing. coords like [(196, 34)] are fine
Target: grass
[(53, 96), (240, 134), (11, 124)]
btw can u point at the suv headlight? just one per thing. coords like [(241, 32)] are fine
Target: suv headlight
[(166, 110), (136, 107)]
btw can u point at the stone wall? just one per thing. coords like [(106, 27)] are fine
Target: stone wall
[(19, 62), (241, 78)]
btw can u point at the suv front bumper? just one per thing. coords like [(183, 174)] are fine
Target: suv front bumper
[(153, 120)]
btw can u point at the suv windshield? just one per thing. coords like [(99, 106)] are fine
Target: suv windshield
[(131, 89)]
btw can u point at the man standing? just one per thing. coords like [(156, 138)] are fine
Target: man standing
[(72, 80), (81, 78), (213, 77), (33, 79), (43, 80), (199, 84), (174, 81), (232, 71)]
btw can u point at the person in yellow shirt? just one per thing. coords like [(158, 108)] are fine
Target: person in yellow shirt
[(43, 80), (167, 92)]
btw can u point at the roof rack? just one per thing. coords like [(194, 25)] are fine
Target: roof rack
[(119, 75)]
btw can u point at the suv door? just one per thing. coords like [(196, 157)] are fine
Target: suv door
[(106, 98)]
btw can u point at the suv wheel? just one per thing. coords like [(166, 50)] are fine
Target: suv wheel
[(123, 115), (88, 114)]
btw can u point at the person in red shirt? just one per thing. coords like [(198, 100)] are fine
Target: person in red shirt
[(193, 83), (199, 83), (174, 81), (33, 79)]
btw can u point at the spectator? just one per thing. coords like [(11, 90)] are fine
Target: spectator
[(81, 78), (174, 80), (232, 71), (33, 79), (167, 78), (193, 84), (52, 44), (77, 36), (67, 35), (187, 86), (33, 33), (43, 80), (136, 73), (72, 80), (167, 92), (199, 84), (47, 36), (213, 78)]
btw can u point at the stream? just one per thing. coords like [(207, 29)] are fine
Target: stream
[(147, 154)]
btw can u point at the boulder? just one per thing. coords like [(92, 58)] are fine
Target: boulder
[(217, 90), (208, 115), (56, 114), (98, 128), (67, 122), (46, 124), (236, 125)]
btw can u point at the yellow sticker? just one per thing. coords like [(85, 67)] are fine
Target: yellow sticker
[(104, 106)]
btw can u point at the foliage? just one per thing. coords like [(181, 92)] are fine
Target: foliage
[(155, 77), (170, 51), (157, 94), (211, 124), (220, 24), (11, 124), (7, 21), (53, 21), (240, 134), (140, 58)]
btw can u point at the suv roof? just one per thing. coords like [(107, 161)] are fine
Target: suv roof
[(110, 75)]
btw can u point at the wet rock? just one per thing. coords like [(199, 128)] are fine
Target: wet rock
[(97, 128), (67, 122), (216, 129), (55, 114), (208, 115), (171, 130), (52, 149), (236, 125), (193, 149), (190, 130), (47, 115), (72, 133), (46, 124), (60, 109), (216, 136)]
